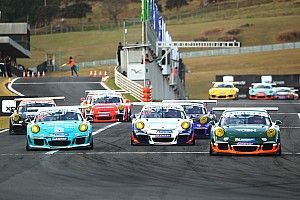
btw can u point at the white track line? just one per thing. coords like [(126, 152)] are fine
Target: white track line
[(299, 115), (106, 127), (290, 127), (94, 133), (55, 83), (257, 102), (126, 153), (3, 131), (51, 152), (9, 86), (285, 113)]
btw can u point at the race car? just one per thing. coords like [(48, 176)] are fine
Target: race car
[(197, 111), (245, 131), (286, 93), (223, 90), (26, 110), (59, 127), (162, 124), (262, 91), (106, 106)]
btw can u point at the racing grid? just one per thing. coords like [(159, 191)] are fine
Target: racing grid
[(117, 170)]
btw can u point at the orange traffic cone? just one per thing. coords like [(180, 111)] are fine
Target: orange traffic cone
[(38, 74), (44, 73), (91, 73), (95, 73), (24, 74)]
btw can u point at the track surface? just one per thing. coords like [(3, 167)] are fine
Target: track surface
[(116, 170)]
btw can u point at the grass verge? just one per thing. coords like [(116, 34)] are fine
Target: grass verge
[(203, 70)]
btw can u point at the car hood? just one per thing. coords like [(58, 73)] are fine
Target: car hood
[(245, 131), (165, 123), (222, 90), (59, 127)]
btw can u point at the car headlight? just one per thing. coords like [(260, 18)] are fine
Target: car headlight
[(203, 120), (232, 91), (185, 125), (35, 129), (271, 132), (16, 117), (83, 127), (219, 132), (139, 125), (121, 107)]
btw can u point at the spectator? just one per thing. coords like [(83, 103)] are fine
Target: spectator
[(120, 48), (2, 68), (146, 59), (8, 66), (72, 66)]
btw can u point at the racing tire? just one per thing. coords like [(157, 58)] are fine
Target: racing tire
[(27, 146), (91, 147), (279, 152), (211, 151), (10, 131)]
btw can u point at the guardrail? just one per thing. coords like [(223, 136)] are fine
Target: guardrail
[(221, 52), (128, 85)]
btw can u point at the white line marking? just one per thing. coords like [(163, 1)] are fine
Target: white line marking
[(299, 115), (126, 153), (258, 102), (51, 83), (9, 86), (3, 130), (51, 152), (106, 127)]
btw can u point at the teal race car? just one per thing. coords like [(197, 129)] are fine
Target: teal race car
[(61, 127), (247, 131)]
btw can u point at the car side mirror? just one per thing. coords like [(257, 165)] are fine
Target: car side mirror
[(133, 117), (82, 99), (212, 122), (278, 122), (89, 119)]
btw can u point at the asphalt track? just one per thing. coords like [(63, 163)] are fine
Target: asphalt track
[(117, 170)]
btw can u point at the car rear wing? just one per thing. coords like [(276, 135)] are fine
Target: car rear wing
[(273, 84), (40, 99), (233, 82), (245, 108)]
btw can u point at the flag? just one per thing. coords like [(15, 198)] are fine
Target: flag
[(145, 10)]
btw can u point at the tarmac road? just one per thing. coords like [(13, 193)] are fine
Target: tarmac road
[(117, 170)]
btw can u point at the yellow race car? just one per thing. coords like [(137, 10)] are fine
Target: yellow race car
[(223, 90)]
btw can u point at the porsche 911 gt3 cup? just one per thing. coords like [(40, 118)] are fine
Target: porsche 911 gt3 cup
[(107, 106), (59, 127), (262, 91), (223, 90), (162, 124), (246, 131), (286, 93), (26, 110), (197, 111)]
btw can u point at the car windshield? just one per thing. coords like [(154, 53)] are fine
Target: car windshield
[(106, 99), (58, 115), (162, 113), (262, 87), (236, 120), (193, 109), (223, 85), (25, 107), (283, 90)]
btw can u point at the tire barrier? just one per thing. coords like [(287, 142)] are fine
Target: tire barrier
[(147, 97)]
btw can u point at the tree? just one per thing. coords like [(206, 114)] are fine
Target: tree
[(170, 4), (76, 10), (113, 8)]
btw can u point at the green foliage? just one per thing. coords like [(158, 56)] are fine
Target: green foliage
[(33, 11), (170, 4), (77, 10)]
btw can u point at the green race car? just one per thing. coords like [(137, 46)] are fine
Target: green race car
[(245, 131)]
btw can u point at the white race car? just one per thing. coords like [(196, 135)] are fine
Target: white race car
[(162, 124)]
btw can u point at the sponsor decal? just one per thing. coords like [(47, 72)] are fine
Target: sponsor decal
[(8, 105), (59, 139), (246, 129), (163, 135), (165, 131)]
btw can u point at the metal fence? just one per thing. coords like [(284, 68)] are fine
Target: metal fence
[(233, 51)]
